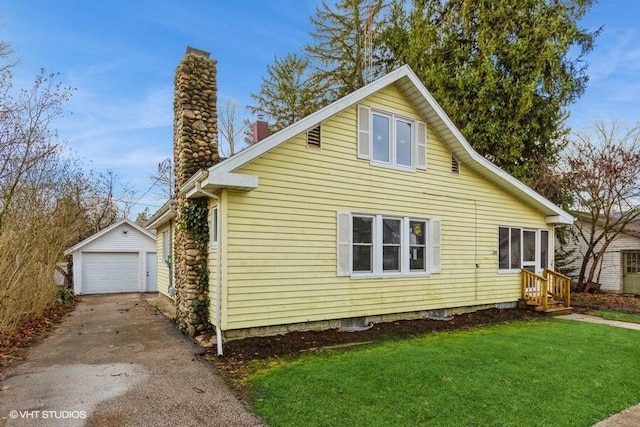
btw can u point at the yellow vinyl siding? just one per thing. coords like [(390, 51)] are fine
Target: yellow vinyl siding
[(162, 267), (280, 264)]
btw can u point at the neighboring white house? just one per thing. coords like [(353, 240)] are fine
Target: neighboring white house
[(120, 258), (619, 270)]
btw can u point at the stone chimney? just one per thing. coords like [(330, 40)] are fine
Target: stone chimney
[(195, 127), (195, 147), (260, 130)]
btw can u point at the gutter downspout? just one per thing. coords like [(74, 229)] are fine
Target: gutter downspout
[(218, 267)]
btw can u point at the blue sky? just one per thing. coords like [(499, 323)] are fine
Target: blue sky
[(121, 57)]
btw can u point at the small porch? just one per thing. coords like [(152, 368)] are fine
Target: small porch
[(549, 293)]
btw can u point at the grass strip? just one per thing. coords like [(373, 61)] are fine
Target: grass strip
[(544, 373), (618, 315)]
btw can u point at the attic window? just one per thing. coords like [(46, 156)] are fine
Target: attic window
[(313, 138), (390, 140), (455, 166)]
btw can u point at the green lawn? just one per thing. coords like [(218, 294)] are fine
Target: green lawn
[(618, 315), (543, 373)]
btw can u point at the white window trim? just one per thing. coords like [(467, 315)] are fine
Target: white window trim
[(166, 246), (393, 120), (538, 266), (213, 227), (377, 262), (365, 139)]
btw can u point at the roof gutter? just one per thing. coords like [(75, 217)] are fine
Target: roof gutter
[(193, 183)]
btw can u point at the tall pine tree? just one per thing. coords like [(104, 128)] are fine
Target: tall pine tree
[(342, 46), (288, 93), (504, 71)]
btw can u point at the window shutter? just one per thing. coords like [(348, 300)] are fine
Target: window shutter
[(344, 244), (421, 146), (364, 144), (435, 246)]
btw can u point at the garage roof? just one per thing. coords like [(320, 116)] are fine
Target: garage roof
[(107, 230)]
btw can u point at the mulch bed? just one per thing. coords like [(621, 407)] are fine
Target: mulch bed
[(236, 363), (14, 347), (604, 301)]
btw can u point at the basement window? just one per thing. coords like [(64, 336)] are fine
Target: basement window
[(313, 138)]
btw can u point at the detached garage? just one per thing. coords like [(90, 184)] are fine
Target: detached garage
[(120, 258)]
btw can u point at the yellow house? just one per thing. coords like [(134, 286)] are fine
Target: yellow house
[(374, 208)]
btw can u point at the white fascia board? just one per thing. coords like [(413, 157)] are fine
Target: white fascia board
[(519, 187), (107, 230), (478, 162), (560, 220), (218, 179), (162, 219), (256, 150)]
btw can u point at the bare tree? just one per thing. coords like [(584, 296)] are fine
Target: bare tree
[(604, 168), (26, 138), (35, 222), (105, 200), (47, 203), (231, 127), (163, 180)]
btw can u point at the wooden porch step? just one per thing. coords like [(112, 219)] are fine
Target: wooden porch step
[(554, 307), (551, 305)]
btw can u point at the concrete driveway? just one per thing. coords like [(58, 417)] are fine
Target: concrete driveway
[(116, 360)]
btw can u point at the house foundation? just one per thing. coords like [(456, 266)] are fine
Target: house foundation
[(441, 314)]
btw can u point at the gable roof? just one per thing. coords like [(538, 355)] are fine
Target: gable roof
[(632, 228), (161, 216), (107, 230), (222, 174)]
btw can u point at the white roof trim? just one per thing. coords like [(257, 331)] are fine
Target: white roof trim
[(218, 179), (166, 216), (107, 230), (462, 151)]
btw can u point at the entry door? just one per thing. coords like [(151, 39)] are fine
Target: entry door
[(631, 272), (151, 273), (529, 250)]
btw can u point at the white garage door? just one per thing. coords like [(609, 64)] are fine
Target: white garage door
[(109, 272)]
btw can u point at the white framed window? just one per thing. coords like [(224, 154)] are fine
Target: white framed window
[(166, 246), (391, 140), (520, 247), (381, 245), (213, 232), (418, 245), (362, 244), (391, 244)]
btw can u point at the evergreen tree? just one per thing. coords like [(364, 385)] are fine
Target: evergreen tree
[(288, 93), (344, 40), (504, 71)]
